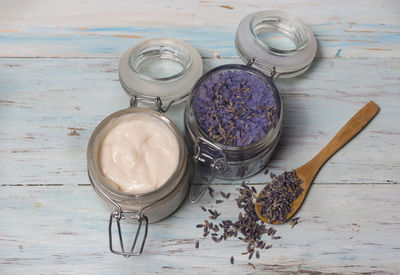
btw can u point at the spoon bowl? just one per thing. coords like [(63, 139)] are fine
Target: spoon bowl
[(308, 171)]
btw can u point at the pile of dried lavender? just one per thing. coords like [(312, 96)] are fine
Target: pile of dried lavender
[(248, 225), (235, 107), (278, 195)]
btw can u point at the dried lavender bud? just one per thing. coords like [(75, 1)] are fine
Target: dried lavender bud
[(266, 171), (215, 239), (294, 221), (232, 260), (227, 196), (200, 225), (211, 192), (268, 246), (250, 264), (276, 237), (219, 201), (257, 254), (251, 255), (223, 194), (235, 107), (278, 195), (197, 244), (271, 231), (203, 208)]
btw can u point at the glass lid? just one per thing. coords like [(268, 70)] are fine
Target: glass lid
[(160, 71), (276, 43)]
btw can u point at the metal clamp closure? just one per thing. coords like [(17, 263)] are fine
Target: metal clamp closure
[(157, 101), (273, 73), (119, 215), (217, 166)]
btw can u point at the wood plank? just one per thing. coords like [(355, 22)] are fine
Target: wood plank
[(335, 39), (49, 108), (187, 13), (343, 229)]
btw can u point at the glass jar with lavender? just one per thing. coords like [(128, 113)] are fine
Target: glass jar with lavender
[(233, 117)]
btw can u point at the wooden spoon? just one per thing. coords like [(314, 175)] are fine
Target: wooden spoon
[(308, 171)]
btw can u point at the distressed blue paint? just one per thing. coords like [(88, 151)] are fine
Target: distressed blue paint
[(102, 41), (64, 228), (49, 96), (34, 232)]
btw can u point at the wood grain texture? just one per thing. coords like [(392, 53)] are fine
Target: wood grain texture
[(346, 230), (56, 103), (339, 39), (16, 14), (59, 79)]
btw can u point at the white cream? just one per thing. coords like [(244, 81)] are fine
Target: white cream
[(139, 153)]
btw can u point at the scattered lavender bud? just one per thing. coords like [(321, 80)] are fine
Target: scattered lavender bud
[(251, 255), (294, 221), (211, 192), (219, 201), (232, 260), (197, 244)]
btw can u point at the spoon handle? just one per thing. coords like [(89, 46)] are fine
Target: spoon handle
[(348, 131)]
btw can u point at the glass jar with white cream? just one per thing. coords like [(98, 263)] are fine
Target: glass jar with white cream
[(137, 158)]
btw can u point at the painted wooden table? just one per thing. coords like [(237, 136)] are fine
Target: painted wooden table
[(59, 79)]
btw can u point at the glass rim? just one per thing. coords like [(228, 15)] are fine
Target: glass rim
[(173, 88), (180, 56), (273, 61), (288, 26)]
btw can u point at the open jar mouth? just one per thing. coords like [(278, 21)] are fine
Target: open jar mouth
[(288, 28), (276, 43), (160, 71), (269, 137), (94, 167), (160, 62)]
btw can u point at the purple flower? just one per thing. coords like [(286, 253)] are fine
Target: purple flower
[(235, 107)]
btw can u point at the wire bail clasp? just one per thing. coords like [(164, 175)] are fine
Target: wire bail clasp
[(272, 71), (217, 166), (134, 100), (119, 215)]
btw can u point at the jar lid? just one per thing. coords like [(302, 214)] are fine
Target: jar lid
[(160, 71), (254, 43)]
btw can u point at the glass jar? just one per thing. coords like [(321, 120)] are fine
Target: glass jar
[(267, 63), (160, 72), (145, 79)]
